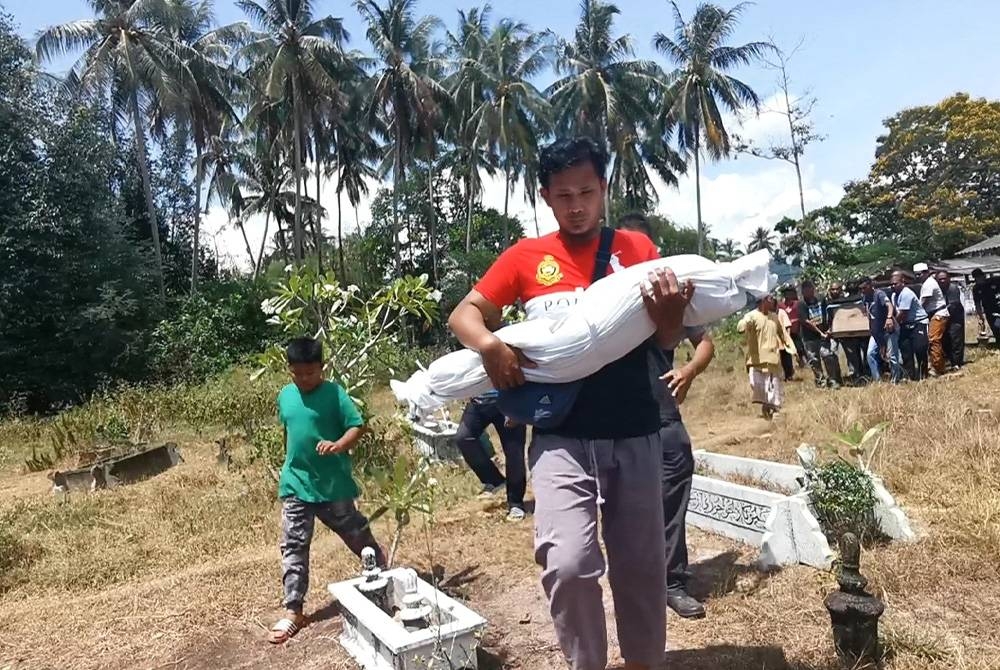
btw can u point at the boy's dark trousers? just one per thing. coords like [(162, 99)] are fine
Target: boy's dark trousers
[(678, 469), (298, 520), (788, 365), (476, 418)]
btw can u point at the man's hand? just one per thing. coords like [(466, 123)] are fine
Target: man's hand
[(665, 300), (504, 364), (679, 381), (326, 447)]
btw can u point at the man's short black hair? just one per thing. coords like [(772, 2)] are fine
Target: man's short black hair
[(304, 350), (567, 152), (636, 221), (861, 281), (808, 284), (978, 272)]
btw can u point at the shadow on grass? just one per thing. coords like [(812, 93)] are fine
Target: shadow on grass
[(730, 657), (719, 575), (454, 585)]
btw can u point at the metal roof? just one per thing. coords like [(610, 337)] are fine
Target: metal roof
[(989, 244), (965, 266)]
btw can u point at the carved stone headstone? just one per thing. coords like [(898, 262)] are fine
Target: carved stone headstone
[(376, 586), (415, 613), (854, 613)]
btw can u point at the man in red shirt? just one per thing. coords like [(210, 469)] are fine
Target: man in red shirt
[(606, 454)]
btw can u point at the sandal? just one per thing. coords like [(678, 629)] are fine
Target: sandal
[(283, 631)]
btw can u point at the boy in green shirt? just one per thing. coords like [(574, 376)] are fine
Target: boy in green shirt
[(321, 426)]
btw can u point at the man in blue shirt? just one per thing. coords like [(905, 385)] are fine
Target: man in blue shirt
[(883, 329), (912, 320)]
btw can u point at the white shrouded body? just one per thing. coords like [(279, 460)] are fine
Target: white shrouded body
[(607, 321)]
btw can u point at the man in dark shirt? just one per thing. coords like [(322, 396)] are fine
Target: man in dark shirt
[(955, 336), (670, 386), (607, 453), (820, 349), (985, 294), (884, 331)]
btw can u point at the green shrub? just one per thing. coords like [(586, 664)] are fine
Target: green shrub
[(211, 331), (844, 500)]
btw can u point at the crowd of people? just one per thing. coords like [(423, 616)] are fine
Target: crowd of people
[(914, 330)]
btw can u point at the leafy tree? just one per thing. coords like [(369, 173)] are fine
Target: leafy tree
[(70, 279), (700, 84), (130, 54), (822, 238), (937, 171)]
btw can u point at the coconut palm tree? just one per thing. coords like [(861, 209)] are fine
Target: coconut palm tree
[(603, 90), (700, 84), (207, 107), (728, 249), (516, 114), (467, 126), (294, 58), (130, 55), (761, 238), (404, 95)]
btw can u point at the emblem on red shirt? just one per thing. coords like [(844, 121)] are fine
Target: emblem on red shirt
[(548, 272)]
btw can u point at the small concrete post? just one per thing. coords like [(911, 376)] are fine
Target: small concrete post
[(415, 614), (376, 586)]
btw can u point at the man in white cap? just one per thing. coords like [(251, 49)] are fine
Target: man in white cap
[(936, 306)]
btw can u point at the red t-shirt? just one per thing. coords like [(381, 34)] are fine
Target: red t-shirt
[(548, 264), (792, 310), (617, 401)]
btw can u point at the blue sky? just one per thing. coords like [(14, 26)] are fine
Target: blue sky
[(864, 61)]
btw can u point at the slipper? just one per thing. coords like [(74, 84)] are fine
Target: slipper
[(283, 630)]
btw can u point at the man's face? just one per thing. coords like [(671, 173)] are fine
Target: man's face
[(576, 197), (808, 292), (867, 289), (943, 280), (306, 376), (767, 305), (836, 291), (897, 283), (790, 296)]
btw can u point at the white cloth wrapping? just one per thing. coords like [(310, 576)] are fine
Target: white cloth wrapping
[(608, 321)]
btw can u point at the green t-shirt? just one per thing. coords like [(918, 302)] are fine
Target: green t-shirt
[(325, 413)]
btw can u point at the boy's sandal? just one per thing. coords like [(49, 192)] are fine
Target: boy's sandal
[(283, 630)]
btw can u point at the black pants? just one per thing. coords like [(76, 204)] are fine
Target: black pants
[(993, 321), (955, 341), (788, 365), (913, 345), (475, 419), (678, 468), (855, 351)]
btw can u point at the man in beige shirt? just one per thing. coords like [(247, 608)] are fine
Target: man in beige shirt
[(766, 338)]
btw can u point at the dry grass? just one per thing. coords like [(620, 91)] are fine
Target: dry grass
[(181, 571)]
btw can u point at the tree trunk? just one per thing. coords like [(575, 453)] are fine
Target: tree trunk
[(697, 191), (297, 233), (397, 176), (430, 200), (506, 199), (534, 210), (154, 228), (246, 241), (791, 134), (340, 236), (258, 266), (197, 218), (468, 214), (319, 218)]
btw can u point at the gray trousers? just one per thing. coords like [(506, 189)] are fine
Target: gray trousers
[(822, 353), (571, 479), (298, 520)]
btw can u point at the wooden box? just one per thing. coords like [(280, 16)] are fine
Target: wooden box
[(849, 321)]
